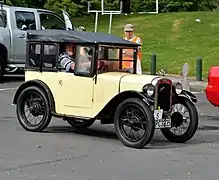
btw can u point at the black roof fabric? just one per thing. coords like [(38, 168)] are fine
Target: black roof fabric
[(78, 37)]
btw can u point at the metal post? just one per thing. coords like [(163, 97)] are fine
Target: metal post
[(153, 64), (157, 6), (110, 23), (199, 69), (96, 20), (102, 6), (103, 13)]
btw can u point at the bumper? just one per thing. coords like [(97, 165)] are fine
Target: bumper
[(212, 94)]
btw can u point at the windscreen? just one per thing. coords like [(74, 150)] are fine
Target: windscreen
[(116, 59)]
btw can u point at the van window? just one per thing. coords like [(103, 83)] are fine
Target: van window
[(51, 21), (3, 15), (25, 20)]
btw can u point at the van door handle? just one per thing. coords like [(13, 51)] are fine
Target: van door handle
[(22, 36)]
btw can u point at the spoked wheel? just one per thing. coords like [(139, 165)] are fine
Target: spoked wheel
[(78, 123), (134, 123), (33, 109), (184, 120)]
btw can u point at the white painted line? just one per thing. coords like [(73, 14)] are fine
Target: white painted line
[(7, 89), (197, 92)]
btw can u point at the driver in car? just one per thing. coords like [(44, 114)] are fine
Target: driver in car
[(67, 59)]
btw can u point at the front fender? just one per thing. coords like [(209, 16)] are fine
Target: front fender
[(188, 95), (132, 93)]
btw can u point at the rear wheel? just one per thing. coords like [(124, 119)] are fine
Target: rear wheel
[(32, 104), (184, 119), (134, 123)]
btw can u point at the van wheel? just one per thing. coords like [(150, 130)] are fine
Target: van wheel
[(32, 104), (2, 68), (134, 123)]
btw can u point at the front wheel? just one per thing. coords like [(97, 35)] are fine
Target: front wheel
[(33, 110), (184, 119), (134, 123)]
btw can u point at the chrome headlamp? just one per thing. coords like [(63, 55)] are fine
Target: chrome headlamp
[(178, 88), (149, 89)]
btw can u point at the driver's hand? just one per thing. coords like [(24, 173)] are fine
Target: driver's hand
[(73, 66), (101, 64)]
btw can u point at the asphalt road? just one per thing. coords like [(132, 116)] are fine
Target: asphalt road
[(62, 153)]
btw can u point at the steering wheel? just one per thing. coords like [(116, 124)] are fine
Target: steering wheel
[(102, 65)]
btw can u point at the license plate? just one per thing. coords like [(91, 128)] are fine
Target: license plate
[(159, 121)]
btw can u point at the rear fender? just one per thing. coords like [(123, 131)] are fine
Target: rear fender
[(39, 84)]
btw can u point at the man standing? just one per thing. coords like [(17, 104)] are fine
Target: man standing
[(128, 53)]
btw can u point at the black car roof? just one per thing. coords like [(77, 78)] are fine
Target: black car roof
[(77, 37)]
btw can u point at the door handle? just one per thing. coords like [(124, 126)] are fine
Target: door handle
[(60, 82), (22, 36)]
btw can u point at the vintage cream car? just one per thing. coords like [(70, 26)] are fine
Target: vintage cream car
[(101, 90)]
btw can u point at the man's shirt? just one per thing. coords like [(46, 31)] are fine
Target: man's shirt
[(66, 61)]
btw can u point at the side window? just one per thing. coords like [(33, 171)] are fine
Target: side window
[(25, 20), (50, 21), (49, 56), (84, 59), (3, 17), (33, 60)]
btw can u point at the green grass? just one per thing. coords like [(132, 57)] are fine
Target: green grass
[(175, 37)]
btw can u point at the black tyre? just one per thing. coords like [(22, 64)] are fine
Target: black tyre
[(178, 119), (76, 123), (136, 115), (2, 69), (37, 103)]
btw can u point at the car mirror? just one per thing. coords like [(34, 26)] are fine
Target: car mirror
[(81, 28), (24, 27)]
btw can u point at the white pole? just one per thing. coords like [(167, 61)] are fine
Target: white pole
[(102, 6), (120, 6), (156, 6), (88, 7), (96, 20), (110, 23)]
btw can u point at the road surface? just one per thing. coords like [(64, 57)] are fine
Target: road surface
[(61, 153)]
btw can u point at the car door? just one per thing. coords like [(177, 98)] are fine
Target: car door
[(78, 87), (76, 91), (22, 20), (68, 23)]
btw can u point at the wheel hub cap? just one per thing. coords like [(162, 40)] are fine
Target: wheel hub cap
[(35, 109), (177, 119)]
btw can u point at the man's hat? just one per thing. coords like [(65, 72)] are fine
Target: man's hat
[(128, 27)]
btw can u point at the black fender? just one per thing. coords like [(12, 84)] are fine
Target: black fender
[(188, 95), (36, 83), (116, 100), (131, 93)]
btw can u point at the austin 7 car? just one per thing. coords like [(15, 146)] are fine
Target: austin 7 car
[(99, 88)]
